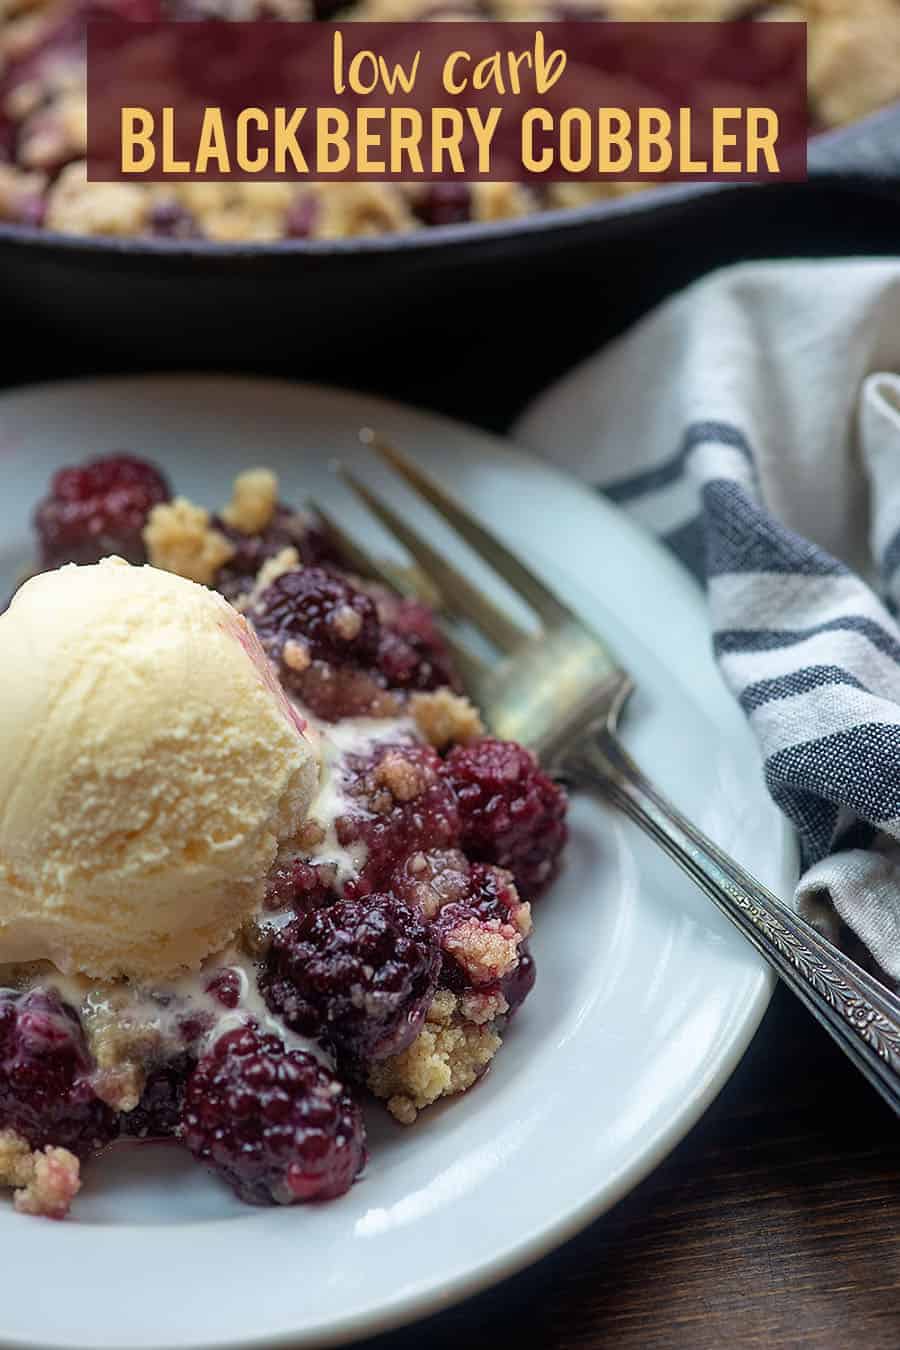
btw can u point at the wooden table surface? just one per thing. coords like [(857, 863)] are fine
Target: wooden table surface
[(775, 1223)]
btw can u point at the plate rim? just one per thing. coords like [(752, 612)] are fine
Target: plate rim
[(401, 1309)]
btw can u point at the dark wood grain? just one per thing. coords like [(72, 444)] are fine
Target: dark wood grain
[(775, 1223)]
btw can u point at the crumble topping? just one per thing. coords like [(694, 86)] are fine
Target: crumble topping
[(311, 835), (121, 1048), (78, 207), (482, 1007), (384, 703), (231, 211), (853, 68), (486, 953), (445, 718), (180, 539), (435, 879), (446, 1058), (253, 501), (49, 138), (45, 1181), (55, 1182), (288, 560), (120, 1087), (20, 191), (254, 938), (345, 210), (852, 35), (16, 1159), (521, 917), (295, 656), (346, 622), (580, 194), (501, 201), (403, 778)]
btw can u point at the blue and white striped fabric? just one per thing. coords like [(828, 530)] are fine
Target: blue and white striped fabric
[(753, 423)]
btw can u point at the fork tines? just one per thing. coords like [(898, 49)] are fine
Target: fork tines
[(461, 596)]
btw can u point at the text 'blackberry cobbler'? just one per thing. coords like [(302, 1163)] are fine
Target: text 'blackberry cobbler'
[(259, 861)]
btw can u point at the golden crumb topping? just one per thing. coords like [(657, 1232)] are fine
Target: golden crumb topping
[(359, 209), (501, 201), (486, 954), (55, 1181), (45, 1180), (16, 1159), (445, 718), (179, 538), (403, 778), (122, 1049), (288, 560), (520, 917), (482, 1007), (295, 656), (17, 188), (446, 1058), (254, 499), (346, 622), (78, 207), (435, 879)]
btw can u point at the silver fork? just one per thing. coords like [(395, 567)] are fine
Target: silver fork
[(561, 691)]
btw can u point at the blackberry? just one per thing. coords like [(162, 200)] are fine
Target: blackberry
[(361, 973), (399, 803), (97, 509), (320, 612), (512, 813), (45, 1088), (274, 1123), (158, 1113), (287, 529)]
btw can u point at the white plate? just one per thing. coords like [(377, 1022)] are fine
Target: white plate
[(645, 998)]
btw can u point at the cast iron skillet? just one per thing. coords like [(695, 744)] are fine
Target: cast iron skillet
[(414, 314)]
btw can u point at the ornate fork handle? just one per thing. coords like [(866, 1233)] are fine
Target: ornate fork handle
[(859, 1013)]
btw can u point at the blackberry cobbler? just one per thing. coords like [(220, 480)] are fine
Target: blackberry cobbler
[(387, 946), (853, 69)]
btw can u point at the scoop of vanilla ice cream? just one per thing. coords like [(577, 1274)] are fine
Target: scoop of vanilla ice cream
[(150, 766)]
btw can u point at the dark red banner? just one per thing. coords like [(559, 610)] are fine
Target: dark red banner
[(405, 102)]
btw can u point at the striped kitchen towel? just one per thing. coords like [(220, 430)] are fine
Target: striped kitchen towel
[(753, 423)]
